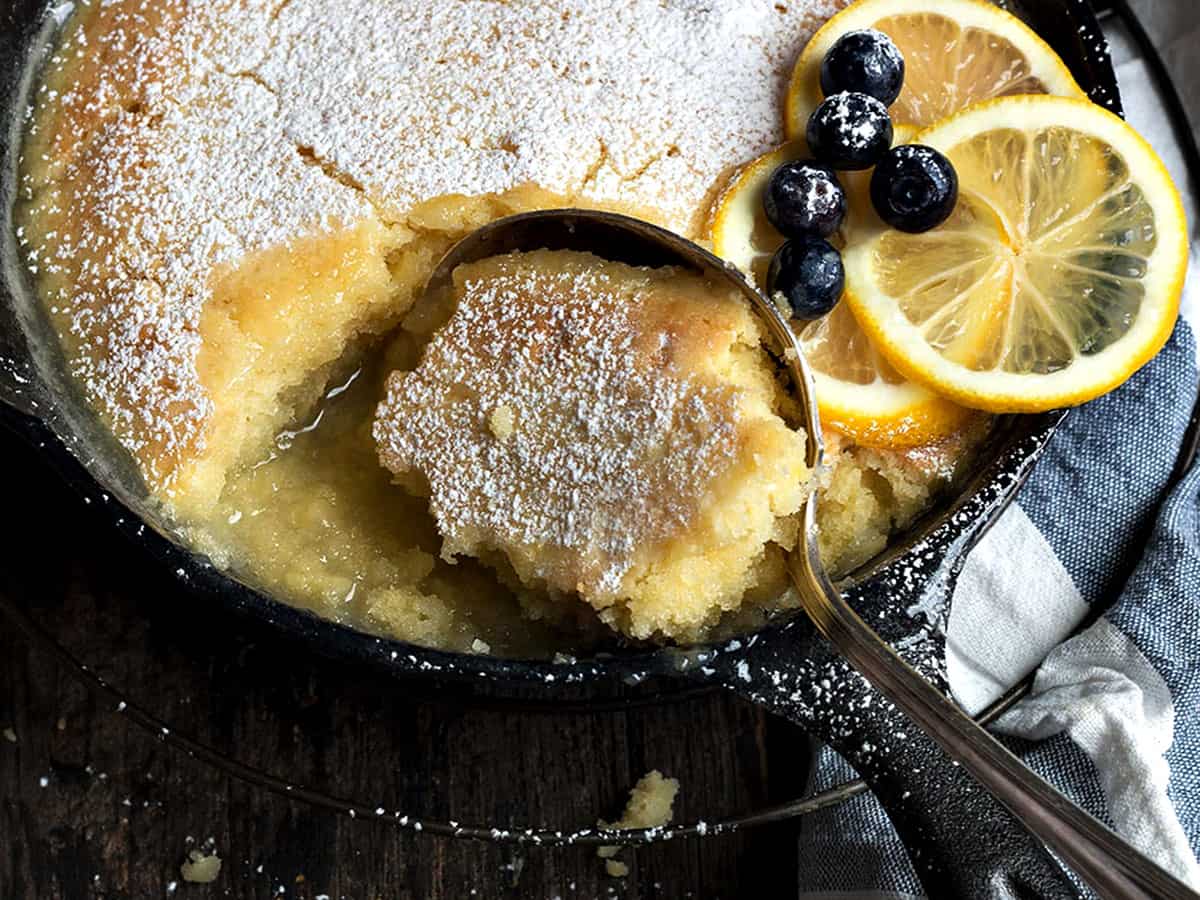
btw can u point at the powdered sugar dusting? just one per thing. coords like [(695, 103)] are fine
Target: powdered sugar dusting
[(640, 101), (856, 117), (186, 136), (611, 448)]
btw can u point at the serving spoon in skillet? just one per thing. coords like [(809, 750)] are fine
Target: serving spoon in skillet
[(969, 814)]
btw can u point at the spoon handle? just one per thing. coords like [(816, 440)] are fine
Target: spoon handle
[(1108, 864)]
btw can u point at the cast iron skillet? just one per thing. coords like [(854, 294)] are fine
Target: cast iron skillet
[(961, 842)]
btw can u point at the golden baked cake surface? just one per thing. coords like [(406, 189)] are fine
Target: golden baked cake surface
[(181, 143), (611, 431)]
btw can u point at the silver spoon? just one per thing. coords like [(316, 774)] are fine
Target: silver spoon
[(1097, 855)]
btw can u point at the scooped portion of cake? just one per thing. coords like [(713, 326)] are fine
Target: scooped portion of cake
[(594, 429)]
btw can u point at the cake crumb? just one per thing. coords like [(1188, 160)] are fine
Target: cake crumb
[(199, 868), (616, 869), (651, 805), (10, 735), (502, 422)]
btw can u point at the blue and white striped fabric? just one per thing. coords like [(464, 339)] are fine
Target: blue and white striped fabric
[(1114, 717)]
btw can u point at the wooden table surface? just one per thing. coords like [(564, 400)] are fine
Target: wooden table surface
[(94, 806)]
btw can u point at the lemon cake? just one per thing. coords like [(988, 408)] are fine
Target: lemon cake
[(612, 432), (227, 193), (230, 208)]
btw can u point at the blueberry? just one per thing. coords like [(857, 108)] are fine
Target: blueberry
[(864, 61), (914, 188), (804, 197), (850, 131), (808, 272)]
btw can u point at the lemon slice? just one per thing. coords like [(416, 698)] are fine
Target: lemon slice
[(956, 52), (863, 397), (858, 392), (1057, 276)]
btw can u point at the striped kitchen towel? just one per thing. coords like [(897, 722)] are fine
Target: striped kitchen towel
[(1114, 716)]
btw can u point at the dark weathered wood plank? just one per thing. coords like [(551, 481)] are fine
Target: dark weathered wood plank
[(120, 809)]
